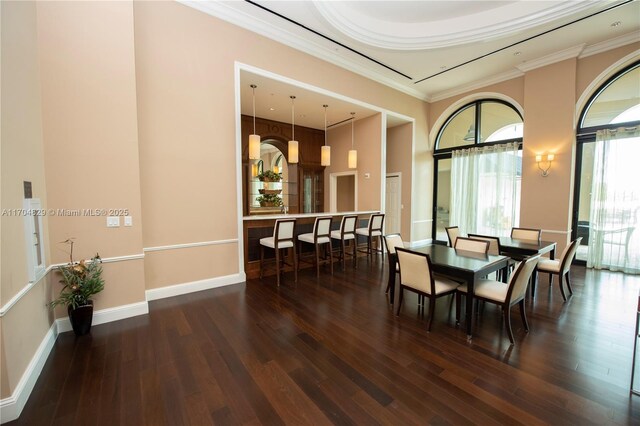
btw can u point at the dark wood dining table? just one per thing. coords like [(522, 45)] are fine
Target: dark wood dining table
[(519, 249), (459, 265)]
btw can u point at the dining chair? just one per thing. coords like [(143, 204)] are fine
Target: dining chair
[(526, 234), (452, 234), (320, 237), (504, 295), (372, 232), (416, 276), (392, 241), (561, 267), (470, 244), (347, 232), (282, 239), (494, 248)]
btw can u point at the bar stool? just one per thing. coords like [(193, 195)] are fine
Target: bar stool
[(282, 239), (374, 230), (346, 232), (321, 236)]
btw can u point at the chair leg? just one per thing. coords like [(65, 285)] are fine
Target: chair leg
[(432, 310), (261, 259), (561, 285), (328, 249), (278, 266), (550, 279), (507, 323), (458, 303), (566, 277), (295, 265), (524, 316), (317, 250), (355, 255), (400, 300), (344, 255)]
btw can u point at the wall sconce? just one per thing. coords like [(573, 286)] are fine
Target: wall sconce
[(543, 160)]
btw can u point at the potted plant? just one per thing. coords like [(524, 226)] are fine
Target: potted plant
[(270, 176), (269, 200), (80, 281)]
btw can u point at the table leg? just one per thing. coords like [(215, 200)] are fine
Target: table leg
[(392, 278), (469, 306)]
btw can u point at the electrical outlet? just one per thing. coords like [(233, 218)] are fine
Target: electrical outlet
[(113, 221)]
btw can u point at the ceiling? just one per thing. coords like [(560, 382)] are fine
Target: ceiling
[(429, 49)]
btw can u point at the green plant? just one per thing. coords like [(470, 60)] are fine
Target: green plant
[(270, 176), (80, 280), (269, 199)]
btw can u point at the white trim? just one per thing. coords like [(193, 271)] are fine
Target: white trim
[(420, 243), (555, 231), (478, 84), (400, 207), (223, 10), (20, 294), (614, 43), (239, 169), (572, 52), (11, 407), (423, 221), (189, 245), (104, 316), (193, 286)]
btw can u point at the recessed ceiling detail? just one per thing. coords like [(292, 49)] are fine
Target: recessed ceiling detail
[(413, 25)]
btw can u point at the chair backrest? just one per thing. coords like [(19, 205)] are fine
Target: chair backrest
[(494, 243), (452, 233), (375, 222), (283, 231), (322, 227), (415, 270), (392, 241), (568, 254), (526, 234), (519, 280), (348, 224), (470, 244)]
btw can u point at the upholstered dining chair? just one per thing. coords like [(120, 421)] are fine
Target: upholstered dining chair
[(392, 241), (504, 295), (452, 234), (561, 267), (373, 232), (526, 234), (494, 247), (347, 232), (416, 275), (282, 239), (470, 244), (320, 237)]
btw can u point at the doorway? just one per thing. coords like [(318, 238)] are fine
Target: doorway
[(393, 203), (343, 191)]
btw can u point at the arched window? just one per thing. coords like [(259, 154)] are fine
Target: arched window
[(607, 195), (484, 137)]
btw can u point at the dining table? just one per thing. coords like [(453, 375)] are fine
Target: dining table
[(464, 266), (518, 249)]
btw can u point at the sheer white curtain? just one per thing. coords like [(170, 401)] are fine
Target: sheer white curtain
[(484, 189), (614, 240)]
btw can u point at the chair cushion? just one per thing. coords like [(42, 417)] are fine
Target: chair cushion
[(308, 238), (336, 234), (270, 242), (489, 289), (548, 265), (444, 284), (365, 231)]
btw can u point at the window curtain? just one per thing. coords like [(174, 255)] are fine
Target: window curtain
[(614, 240), (484, 189)]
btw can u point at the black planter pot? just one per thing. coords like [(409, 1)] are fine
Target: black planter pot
[(81, 318)]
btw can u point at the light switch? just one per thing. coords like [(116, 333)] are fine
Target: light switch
[(128, 221), (367, 175), (113, 221)]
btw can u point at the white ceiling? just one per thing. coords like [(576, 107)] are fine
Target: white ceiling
[(428, 49)]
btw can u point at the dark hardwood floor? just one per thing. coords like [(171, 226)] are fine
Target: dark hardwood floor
[(333, 351)]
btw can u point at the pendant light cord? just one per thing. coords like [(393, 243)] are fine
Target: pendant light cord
[(353, 118), (293, 119), (253, 87), (325, 124)]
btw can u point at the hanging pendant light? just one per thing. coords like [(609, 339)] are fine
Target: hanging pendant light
[(254, 140), (325, 151), (353, 154), (293, 143)]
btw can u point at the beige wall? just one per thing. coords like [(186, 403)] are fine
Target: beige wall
[(22, 159), (345, 193), (399, 159)]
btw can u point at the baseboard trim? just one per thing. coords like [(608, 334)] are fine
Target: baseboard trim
[(11, 407), (193, 286), (419, 243), (108, 315)]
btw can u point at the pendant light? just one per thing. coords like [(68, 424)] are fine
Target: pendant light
[(353, 154), (254, 140), (325, 151), (293, 143)]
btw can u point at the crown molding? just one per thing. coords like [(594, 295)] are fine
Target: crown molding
[(478, 84), (226, 12), (572, 52), (632, 37)]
